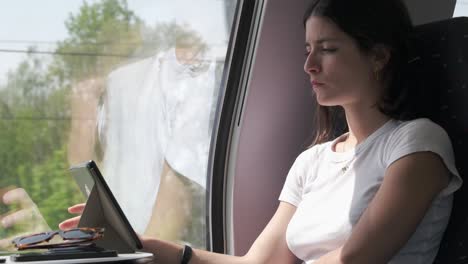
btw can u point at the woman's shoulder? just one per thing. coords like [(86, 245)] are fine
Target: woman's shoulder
[(420, 134), (317, 148), (313, 152), (417, 124), (420, 128)]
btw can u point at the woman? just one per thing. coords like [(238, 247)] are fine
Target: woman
[(357, 198)]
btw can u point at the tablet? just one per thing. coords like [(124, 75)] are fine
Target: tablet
[(102, 210)]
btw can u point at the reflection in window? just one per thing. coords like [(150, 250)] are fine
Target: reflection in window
[(461, 8), (133, 86)]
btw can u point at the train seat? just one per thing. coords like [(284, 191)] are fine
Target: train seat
[(438, 69)]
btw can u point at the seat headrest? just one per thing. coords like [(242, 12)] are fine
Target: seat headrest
[(438, 70)]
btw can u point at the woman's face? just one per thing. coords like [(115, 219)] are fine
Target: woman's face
[(340, 73)]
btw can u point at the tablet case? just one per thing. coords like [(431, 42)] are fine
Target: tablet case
[(102, 210), (64, 253)]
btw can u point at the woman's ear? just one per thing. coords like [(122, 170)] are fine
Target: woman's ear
[(380, 56)]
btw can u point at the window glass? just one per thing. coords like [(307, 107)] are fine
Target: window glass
[(461, 8), (130, 84)]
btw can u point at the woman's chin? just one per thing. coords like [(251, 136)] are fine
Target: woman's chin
[(325, 102)]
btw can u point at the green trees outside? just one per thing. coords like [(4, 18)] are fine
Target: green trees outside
[(101, 36), (35, 103)]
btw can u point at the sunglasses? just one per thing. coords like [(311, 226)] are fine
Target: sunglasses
[(71, 237)]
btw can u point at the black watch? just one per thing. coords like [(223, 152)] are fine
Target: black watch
[(186, 254)]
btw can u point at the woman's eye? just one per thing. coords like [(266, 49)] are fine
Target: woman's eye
[(323, 50), (329, 50)]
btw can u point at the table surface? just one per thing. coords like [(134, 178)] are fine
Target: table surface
[(137, 258)]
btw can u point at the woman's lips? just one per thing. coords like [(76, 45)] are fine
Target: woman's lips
[(316, 83)]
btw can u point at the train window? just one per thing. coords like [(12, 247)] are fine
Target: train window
[(461, 8), (132, 85)]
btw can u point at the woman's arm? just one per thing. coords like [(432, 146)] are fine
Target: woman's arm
[(408, 189), (84, 103), (269, 247)]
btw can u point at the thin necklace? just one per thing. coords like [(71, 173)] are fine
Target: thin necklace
[(343, 149), (346, 167)]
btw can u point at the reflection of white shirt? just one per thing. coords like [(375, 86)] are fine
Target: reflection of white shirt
[(129, 129), (154, 109), (187, 104), (331, 190)]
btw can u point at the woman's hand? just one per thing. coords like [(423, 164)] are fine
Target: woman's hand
[(23, 218), (73, 222)]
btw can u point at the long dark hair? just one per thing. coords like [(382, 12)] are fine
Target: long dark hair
[(369, 23)]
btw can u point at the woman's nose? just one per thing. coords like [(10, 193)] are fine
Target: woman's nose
[(311, 64)]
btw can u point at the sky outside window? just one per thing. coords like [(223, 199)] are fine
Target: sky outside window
[(41, 23)]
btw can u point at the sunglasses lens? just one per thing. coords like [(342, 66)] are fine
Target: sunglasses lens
[(34, 239), (78, 234), (74, 237)]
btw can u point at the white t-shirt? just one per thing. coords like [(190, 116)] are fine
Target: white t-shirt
[(331, 190)]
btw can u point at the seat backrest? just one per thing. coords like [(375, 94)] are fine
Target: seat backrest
[(439, 67)]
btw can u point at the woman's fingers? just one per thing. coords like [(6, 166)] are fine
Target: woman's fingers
[(77, 208), (17, 196), (73, 222), (70, 223), (17, 217)]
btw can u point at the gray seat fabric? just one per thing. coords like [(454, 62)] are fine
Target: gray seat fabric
[(438, 71)]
